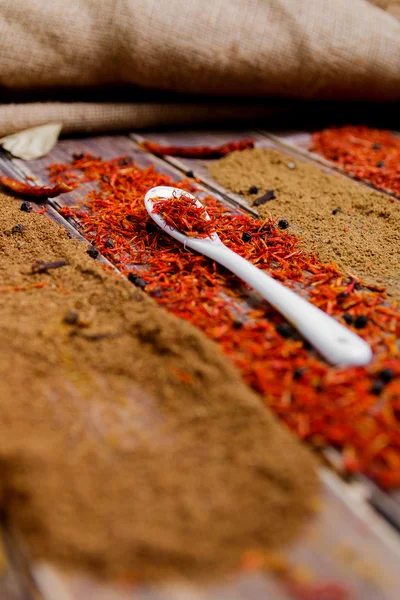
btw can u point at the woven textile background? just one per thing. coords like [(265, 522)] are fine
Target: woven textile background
[(261, 49)]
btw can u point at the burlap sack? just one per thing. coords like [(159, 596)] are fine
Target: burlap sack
[(304, 49)]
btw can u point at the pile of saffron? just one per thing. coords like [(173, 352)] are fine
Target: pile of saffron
[(371, 155), (356, 410), (183, 214)]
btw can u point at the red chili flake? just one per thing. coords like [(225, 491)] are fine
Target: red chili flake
[(334, 406), (36, 191), (367, 154), (319, 591), (183, 376), (183, 214), (197, 151)]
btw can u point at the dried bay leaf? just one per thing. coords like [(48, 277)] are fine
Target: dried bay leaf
[(32, 143)]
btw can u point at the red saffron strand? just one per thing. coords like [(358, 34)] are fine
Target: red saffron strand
[(183, 214)]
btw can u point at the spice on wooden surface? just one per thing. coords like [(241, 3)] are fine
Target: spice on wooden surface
[(131, 455), (269, 195), (363, 237), (43, 267), (183, 214), (197, 151), (326, 405), (369, 154), (40, 192)]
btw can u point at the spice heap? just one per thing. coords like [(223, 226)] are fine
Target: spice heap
[(340, 220), (372, 155), (183, 214), (356, 410), (129, 445)]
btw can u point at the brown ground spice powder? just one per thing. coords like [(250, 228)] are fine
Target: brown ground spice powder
[(341, 220), (129, 445)]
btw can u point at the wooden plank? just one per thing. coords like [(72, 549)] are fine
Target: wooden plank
[(345, 519)]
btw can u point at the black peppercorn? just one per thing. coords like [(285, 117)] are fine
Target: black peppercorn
[(253, 189), (189, 173), (386, 375), (71, 318), (136, 280), (283, 223), (237, 324), (285, 330), (246, 237), (348, 318), (109, 244), (77, 155), (377, 387), (123, 162), (93, 252), (298, 374), (360, 321), (335, 211), (380, 164), (26, 207), (342, 296), (150, 226)]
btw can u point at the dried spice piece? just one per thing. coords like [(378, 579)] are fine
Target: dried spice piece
[(93, 252), (26, 207), (131, 455), (386, 375), (40, 192), (269, 195), (368, 154), (137, 280), (71, 318), (43, 267), (326, 405), (183, 214), (19, 228), (360, 321), (283, 223), (197, 151), (32, 143)]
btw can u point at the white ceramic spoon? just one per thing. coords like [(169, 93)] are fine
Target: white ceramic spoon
[(336, 343)]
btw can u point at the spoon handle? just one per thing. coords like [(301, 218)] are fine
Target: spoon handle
[(337, 344)]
